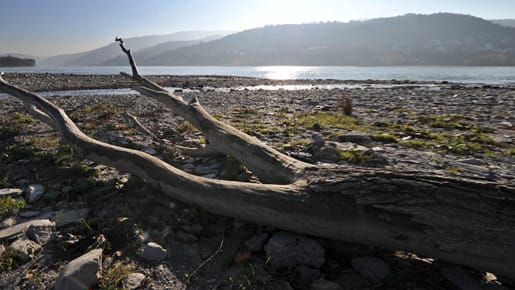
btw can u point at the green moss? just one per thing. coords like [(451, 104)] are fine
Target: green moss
[(9, 204), (510, 151), (384, 137)]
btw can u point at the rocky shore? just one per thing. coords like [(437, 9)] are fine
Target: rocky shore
[(64, 219)]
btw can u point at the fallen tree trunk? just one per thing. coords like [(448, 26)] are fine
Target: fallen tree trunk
[(462, 220)]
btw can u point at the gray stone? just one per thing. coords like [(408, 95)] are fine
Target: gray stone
[(24, 248), (20, 228), (372, 268), (134, 281), (12, 192), (288, 250), (41, 232), (34, 192), (255, 243), (81, 273), (2, 249), (8, 222), (322, 284), (71, 216), (153, 252)]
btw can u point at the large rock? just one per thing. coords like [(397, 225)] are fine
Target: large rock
[(82, 273), (288, 250)]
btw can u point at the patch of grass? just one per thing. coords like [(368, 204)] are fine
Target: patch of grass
[(112, 278), (356, 156), (16, 151), (9, 204), (325, 119), (446, 121), (20, 118), (8, 260), (249, 278)]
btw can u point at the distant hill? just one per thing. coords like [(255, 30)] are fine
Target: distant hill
[(412, 39), (103, 54), (504, 22), (6, 61), (153, 55)]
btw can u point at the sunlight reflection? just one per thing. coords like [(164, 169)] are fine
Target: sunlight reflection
[(286, 72)]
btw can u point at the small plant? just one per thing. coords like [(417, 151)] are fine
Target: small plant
[(112, 278), (345, 105), (510, 151), (185, 126), (9, 204)]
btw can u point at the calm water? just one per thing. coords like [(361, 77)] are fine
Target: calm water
[(486, 75)]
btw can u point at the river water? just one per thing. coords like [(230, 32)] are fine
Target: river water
[(459, 74)]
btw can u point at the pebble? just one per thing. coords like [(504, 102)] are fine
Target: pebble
[(153, 252), (133, 281)]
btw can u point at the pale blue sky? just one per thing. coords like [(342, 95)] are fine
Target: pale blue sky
[(49, 27)]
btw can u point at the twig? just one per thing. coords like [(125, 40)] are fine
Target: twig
[(218, 251)]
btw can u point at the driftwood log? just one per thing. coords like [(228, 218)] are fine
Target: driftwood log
[(468, 221)]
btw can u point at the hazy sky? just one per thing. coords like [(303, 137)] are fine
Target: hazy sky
[(49, 27)]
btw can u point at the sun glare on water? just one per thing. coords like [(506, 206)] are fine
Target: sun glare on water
[(285, 72)]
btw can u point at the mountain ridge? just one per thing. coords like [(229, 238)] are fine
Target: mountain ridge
[(411, 39)]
